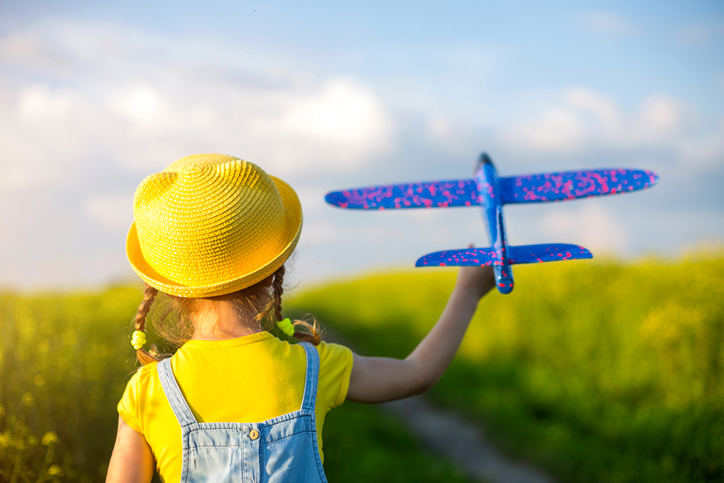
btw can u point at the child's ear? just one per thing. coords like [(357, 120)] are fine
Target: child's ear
[(152, 187)]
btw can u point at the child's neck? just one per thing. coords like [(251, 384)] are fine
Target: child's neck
[(221, 321)]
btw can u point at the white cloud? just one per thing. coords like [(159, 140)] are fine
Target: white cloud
[(704, 151), (343, 121), (32, 51), (592, 226), (584, 119), (113, 212), (39, 142), (557, 131), (144, 111), (141, 103), (341, 111), (694, 35), (322, 232), (567, 126), (603, 108), (658, 118), (36, 103), (449, 132), (608, 23), (705, 33)]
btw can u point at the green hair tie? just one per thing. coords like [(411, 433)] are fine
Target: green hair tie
[(139, 339), (286, 326)]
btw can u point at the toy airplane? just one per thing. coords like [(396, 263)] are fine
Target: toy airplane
[(491, 192)]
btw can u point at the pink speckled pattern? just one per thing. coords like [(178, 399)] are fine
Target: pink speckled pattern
[(569, 185), (468, 257), (476, 257), (551, 252), (440, 194)]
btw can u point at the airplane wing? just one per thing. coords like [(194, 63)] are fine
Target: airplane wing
[(550, 252), (440, 194), (469, 257), (569, 185)]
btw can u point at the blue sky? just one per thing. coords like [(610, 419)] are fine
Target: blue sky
[(96, 95)]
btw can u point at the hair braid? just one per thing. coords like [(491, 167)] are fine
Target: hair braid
[(278, 291), (309, 332), (149, 295)]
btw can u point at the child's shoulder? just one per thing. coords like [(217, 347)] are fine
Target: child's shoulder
[(147, 370), (143, 376), (332, 349), (330, 353), (136, 395)]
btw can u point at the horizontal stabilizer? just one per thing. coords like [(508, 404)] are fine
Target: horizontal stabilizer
[(569, 185), (551, 252), (469, 257), (440, 194)]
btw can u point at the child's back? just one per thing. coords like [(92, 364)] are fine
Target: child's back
[(215, 380)]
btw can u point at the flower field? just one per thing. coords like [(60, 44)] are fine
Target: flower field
[(596, 371)]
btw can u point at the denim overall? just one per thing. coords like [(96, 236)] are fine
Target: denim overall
[(282, 449)]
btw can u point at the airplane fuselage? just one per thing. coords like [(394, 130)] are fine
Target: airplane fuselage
[(486, 178)]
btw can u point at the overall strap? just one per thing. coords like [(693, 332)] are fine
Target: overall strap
[(310, 386), (173, 394)]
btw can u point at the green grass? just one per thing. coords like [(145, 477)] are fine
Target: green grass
[(65, 360), (361, 443), (597, 371)]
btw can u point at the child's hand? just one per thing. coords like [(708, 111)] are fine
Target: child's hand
[(476, 280)]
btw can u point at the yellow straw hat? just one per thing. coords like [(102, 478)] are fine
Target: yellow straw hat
[(211, 224)]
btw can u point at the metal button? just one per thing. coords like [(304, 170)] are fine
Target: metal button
[(253, 434)]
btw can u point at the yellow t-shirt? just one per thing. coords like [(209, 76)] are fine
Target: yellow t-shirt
[(244, 380)]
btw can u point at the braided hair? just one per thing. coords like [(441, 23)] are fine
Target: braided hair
[(149, 295), (310, 332)]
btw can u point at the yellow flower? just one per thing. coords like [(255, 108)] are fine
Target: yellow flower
[(27, 399), (50, 438), (55, 470), (138, 340)]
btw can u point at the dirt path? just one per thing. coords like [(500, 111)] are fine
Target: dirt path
[(462, 442), (458, 440)]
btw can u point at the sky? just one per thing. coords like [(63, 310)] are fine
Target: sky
[(94, 96)]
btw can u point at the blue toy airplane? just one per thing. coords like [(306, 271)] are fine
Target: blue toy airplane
[(491, 192)]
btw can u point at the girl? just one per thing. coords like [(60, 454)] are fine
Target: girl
[(234, 403)]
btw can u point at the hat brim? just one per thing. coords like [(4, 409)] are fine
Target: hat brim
[(293, 221)]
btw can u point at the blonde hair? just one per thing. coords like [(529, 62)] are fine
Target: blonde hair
[(171, 317)]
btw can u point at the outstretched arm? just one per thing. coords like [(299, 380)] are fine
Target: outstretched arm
[(132, 460), (380, 379)]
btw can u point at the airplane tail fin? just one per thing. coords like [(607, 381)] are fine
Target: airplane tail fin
[(476, 257), (549, 252)]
